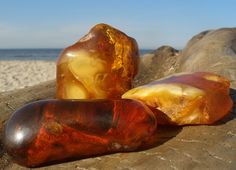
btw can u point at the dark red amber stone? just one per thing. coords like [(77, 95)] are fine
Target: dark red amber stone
[(51, 131)]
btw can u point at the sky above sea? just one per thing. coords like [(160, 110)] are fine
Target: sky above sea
[(59, 23)]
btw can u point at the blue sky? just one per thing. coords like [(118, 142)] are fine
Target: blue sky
[(59, 23)]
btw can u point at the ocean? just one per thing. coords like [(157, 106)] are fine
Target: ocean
[(38, 54)]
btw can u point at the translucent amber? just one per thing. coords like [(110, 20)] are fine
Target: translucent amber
[(100, 65), (58, 130), (190, 98)]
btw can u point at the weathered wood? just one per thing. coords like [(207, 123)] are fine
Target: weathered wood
[(199, 147), (10, 101)]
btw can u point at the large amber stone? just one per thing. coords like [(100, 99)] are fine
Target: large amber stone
[(197, 98), (52, 131), (100, 65)]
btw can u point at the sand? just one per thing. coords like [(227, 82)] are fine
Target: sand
[(19, 74)]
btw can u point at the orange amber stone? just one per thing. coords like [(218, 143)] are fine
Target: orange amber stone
[(52, 131), (100, 65), (193, 98)]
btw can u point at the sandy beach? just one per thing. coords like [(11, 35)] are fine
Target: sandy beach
[(16, 74)]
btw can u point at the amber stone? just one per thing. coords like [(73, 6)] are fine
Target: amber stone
[(189, 98), (100, 65), (52, 131)]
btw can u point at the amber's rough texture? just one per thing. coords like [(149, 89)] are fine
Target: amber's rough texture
[(190, 98), (58, 130), (100, 65)]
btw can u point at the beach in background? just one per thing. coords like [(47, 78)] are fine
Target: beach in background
[(21, 68)]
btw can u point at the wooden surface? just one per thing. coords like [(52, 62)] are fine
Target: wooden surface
[(189, 147)]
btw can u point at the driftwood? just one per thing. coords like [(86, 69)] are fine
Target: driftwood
[(10, 101), (189, 147)]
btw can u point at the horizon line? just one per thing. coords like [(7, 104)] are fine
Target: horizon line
[(29, 48)]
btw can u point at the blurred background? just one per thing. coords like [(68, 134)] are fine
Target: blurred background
[(59, 23), (33, 33)]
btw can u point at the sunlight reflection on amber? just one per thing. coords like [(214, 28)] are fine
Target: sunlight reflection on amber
[(101, 65), (189, 98)]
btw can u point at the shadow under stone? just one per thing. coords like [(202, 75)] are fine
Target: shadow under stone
[(162, 134), (232, 114)]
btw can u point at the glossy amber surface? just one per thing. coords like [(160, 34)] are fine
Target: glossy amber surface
[(52, 131), (190, 98), (100, 65)]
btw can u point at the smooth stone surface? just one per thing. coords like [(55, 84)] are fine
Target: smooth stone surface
[(209, 51), (212, 51)]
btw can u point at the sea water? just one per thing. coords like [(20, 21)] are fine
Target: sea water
[(38, 54)]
